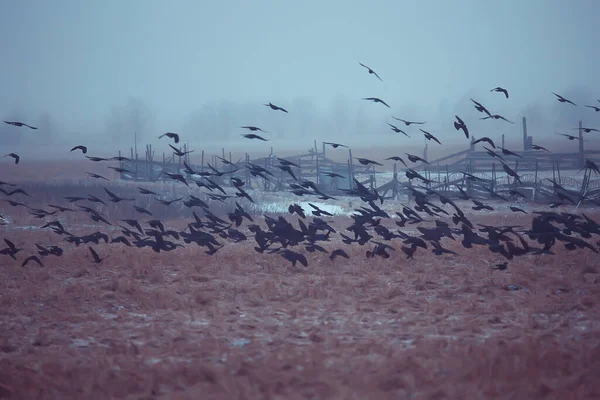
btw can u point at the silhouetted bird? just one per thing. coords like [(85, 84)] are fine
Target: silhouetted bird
[(562, 99), (371, 71), (253, 136), (276, 108), (408, 123), (334, 145), (19, 124), (501, 90), (15, 156), (376, 100), (460, 124), (170, 135), (253, 128), (80, 147)]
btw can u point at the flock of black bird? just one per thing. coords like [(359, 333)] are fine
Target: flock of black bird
[(445, 217)]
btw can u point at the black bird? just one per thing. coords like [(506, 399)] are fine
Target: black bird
[(570, 137), (334, 175), (177, 177), (334, 145), (496, 116), (338, 253), (19, 124), (485, 139), (397, 130), (517, 209), (587, 130), (502, 266), (460, 124), (80, 147), (429, 136), (96, 159), (366, 161), (507, 152), (96, 176), (396, 158), (376, 100), (408, 123), (276, 108), (146, 191), (96, 257), (179, 152), (253, 128), (594, 108), (500, 90), (479, 107), (371, 71), (416, 159), (15, 156), (170, 135), (511, 172), (294, 257), (536, 147), (253, 136), (562, 99), (481, 206), (32, 258), (589, 164)]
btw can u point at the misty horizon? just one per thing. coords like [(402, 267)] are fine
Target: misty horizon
[(90, 74)]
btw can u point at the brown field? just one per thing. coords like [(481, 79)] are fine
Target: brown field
[(244, 325)]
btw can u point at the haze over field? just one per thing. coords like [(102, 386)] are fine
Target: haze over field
[(95, 72)]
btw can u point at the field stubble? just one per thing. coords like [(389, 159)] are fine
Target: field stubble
[(185, 325)]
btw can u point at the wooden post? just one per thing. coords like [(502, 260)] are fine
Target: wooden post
[(525, 147), (351, 169), (318, 180), (395, 180), (581, 152), (535, 183)]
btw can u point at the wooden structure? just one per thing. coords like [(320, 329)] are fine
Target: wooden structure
[(315, 166)]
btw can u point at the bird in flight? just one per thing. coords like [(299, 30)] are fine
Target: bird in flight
[(276, 108), (371, 71), (253, 128), (17, 123), (571, 137), (594, 108), (80, 147), (460, 124), (500, 90), (587, 130), (170, 135), (376, 100), (479, 107), (429, 136), (335, 145), (15, 156), (536, 147), (397, 130), (253, 136), (408, 123), (563, 100), (485, 139), (496, 116)]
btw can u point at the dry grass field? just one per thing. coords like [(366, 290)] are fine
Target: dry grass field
[(244, 325)]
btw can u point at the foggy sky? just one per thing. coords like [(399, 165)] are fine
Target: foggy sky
[(81, 68)]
